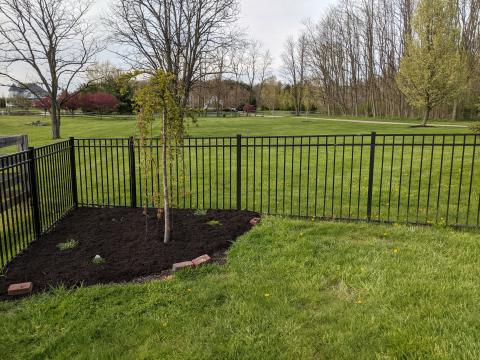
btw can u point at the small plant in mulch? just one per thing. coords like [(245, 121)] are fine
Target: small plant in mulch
[(214, 223), (200, 212), (98, 260), (68, 245)]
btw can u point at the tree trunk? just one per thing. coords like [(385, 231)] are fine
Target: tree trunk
[(426, 116), (55, 116), (168, 224), (454, 110)]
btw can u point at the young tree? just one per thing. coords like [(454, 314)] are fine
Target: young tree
[(71, 102), (432, 70), (53, 39), (248, 109), (42, 104), (158, 97)]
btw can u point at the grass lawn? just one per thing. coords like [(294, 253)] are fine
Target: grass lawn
[(82, 126), (290, 289)]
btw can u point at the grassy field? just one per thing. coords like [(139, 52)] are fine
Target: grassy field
[(290, 289), (81, 126)]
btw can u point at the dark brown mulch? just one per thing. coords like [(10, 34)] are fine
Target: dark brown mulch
[(120, 237)]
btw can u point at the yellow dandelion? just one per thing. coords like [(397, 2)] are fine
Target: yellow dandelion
[(359, 301), (395, 251), (267, 295)]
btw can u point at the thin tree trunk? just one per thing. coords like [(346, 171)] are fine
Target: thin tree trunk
[(426, 116), (168, 225), (454, 110), (55, 116)]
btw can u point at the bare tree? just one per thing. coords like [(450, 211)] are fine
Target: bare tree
[(295, 68), (50, 37), (264, 73), (237, 66), (175, 36), (252, 63)]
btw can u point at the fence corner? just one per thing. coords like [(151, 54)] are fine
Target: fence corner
[(34, 193)]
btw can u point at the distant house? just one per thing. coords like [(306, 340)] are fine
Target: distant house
[(29, 92)]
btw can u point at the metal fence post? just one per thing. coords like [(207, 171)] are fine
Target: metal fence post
[(73, 170), (34, 192), (373, 138), (239, 172), (133, 177)]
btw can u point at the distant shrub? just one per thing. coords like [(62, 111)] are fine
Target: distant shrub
[(475, 128)]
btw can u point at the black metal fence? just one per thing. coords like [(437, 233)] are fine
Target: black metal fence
[(418, 179), (35, 193)]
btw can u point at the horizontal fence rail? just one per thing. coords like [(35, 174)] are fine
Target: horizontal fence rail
[(391, 178)]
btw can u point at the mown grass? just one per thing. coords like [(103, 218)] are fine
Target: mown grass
[(83, 126), (290, 289)]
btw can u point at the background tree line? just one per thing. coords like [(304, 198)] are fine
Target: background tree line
[(379, 58), (392, 58)]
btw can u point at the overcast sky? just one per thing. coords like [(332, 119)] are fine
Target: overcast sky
[(270, 21), (273, 21)]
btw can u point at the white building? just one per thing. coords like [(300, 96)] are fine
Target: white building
[(29, 91)]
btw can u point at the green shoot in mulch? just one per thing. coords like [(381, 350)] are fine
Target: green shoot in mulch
[(68, 245), (98, 260), (200, 212), (214, 223), (338, 291)]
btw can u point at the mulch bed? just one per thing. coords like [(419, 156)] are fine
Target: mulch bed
[(131, 244)]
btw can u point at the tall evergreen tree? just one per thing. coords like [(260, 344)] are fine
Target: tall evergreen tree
[(432, 70)]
